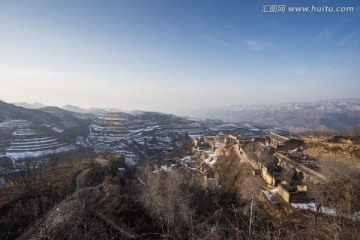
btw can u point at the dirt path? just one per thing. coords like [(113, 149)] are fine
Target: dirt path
[(69, 209), (79, 177), (60, 213)]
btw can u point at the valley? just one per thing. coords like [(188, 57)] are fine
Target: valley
[(146, 175), (38, 133), (179, 120)]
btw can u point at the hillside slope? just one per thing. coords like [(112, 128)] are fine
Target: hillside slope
[(28, 133), (334, 115)]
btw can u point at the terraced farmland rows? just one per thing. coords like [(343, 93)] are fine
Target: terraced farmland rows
[(26, 142)]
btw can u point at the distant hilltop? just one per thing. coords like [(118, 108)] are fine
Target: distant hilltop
[(326, 115)]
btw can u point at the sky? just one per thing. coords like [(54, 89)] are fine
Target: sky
[(175, 55)]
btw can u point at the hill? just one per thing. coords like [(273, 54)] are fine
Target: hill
[(327, 115), (136, 135), (35, 133)]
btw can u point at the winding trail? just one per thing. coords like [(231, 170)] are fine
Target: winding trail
[(68, 210), (60, 213)]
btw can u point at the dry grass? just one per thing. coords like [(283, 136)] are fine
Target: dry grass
[(50, 182), (344, 151), (31, 194)]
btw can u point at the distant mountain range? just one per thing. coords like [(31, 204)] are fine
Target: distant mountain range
[(334, 115), (326, 115), (70, 108), (34, 105), (77, 109)]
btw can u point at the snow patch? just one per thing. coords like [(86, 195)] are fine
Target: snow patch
[(168, 168), (80, 141), (24, 132), (313, 208), (34, 154), (268, 195)]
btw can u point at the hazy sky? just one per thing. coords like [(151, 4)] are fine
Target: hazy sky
[(167, 55)]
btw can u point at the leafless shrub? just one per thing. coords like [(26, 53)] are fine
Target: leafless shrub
[(165, 198), (249, 188), (342, 188)]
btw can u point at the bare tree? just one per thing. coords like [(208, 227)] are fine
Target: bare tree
[(164, 197), (342, 188), (249, 188)]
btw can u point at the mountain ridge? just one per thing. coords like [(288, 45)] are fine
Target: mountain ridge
[(325, 115)]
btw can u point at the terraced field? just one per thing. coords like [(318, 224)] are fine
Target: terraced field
[(110, 133), (35, 145), (23, 140), (138, 135)]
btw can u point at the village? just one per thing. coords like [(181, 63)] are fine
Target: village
[(283, 171)]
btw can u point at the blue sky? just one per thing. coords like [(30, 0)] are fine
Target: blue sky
[(164, 55)]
